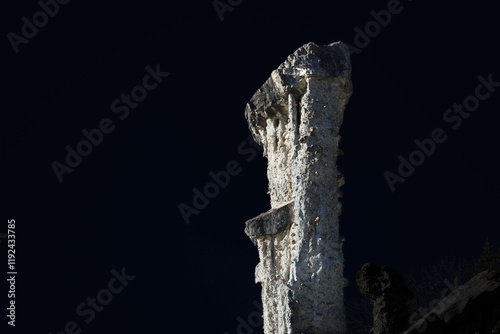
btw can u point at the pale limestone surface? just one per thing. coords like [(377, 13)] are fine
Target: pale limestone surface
[(296, 116)]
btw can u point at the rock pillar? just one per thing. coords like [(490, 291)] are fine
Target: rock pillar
[(296, 116)]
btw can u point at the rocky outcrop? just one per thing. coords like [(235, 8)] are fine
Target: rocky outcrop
[(389, 295), (270, 223), (472, 308)]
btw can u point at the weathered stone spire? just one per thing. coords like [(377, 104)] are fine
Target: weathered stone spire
[(296, 116)]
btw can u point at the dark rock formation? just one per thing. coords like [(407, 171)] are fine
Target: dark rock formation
[(388, 293), (472, 308), (271, 222)]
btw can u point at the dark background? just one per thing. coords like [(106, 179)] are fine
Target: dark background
[(119, 208)]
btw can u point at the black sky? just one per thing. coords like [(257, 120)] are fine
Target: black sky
[(119, 207)]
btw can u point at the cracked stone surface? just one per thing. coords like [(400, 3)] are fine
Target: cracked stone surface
[(296, 116)]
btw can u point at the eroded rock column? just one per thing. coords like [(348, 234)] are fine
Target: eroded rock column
[(296, 116)]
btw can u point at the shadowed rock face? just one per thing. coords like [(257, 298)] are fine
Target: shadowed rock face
[(296, 116), (271, 222), (471, 308), (389, 295)]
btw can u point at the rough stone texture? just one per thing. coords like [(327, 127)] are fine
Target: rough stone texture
[(389, 295), (472, 308), (296, 116), (271, 222)]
